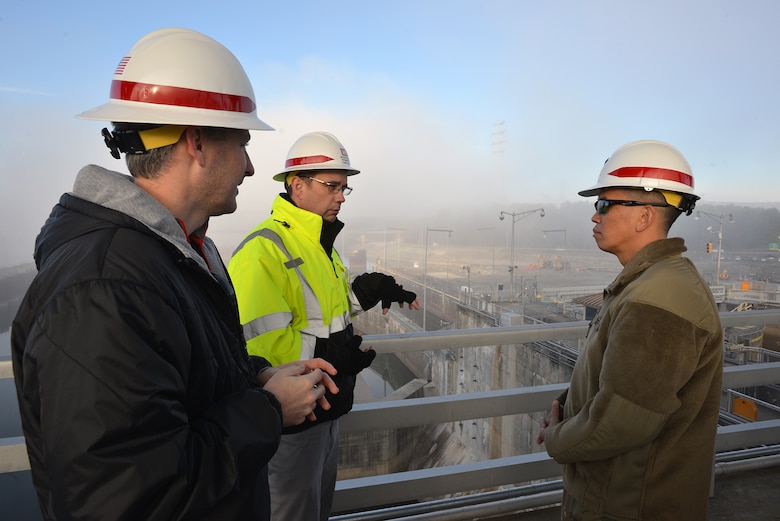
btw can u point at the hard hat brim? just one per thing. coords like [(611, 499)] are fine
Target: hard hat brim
[(133, 112), (596, 190), (591, 191), (281, 176)]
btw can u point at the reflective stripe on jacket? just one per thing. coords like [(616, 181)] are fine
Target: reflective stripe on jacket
[(289, 290)]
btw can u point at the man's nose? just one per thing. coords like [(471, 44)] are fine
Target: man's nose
[(250, 168)]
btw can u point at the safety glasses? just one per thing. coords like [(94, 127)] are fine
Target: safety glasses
[(602, 205), (332, 187)]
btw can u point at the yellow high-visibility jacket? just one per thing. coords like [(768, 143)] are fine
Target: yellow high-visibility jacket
[(291, 290)]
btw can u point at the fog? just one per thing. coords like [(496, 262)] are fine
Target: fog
[(403, 187), (453, 111)]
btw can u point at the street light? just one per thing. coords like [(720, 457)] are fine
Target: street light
[(719, 220), (493, 266), (397, 250), (516, 216), (425, 269), (468, 281)]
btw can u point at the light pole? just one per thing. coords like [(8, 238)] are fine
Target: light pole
[(425, 270), (446, 269), (384, 251), (516, 216), (468, 282), (398, 247), (493, 266), (719, 220)]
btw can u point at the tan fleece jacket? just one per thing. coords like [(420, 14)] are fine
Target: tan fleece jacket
[(640, 415)]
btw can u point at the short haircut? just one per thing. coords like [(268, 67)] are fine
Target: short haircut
[(149, 164), (668, 214)]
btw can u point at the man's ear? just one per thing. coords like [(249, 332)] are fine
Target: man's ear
[(296, 184), (647, 217), (195, 141)]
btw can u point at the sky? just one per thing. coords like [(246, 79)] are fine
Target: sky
[(445, 106)]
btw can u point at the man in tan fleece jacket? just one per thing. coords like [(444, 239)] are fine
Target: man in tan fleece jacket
[(636, 429)]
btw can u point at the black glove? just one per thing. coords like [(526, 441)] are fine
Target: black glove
[(355, 359), (370, 288), (392, 292), (346, 357)]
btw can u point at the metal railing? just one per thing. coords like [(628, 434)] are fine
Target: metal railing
[(363, 494), (407, 487)]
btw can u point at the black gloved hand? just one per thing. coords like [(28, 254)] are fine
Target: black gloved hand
[(355, 359), (370, 288), (391, 292), (346, 356)]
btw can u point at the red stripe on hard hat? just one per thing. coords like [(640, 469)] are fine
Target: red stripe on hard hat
[(654, 173), (179, 97), (306, 160)]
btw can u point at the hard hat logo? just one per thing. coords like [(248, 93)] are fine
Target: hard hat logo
[(121, 67)]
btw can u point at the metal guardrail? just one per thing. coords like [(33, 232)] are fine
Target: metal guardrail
[(370, 492), (363, 493)]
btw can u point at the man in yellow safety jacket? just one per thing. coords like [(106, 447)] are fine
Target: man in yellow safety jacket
[(296, 299)]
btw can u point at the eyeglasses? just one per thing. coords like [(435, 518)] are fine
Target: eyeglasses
[(602, 205), (332, 186)]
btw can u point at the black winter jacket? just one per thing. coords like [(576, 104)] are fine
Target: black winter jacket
[(137, 397)]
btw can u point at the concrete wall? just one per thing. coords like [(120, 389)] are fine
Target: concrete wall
[(454, 371)]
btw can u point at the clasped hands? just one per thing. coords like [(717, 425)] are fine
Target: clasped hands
[(300, 386), (553, 417)]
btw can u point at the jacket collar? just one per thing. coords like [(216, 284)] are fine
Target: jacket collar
[(119, 192), (645, 258), (305, 222)]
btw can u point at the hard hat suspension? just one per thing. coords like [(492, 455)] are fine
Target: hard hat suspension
[(136, 141)]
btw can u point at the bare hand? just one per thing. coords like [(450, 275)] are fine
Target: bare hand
[(326, 381), (553, 417), (299, 391), (309, 365)]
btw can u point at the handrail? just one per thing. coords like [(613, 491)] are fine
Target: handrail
[(362, 493), (395, 414), (453, 339), (443, 409)]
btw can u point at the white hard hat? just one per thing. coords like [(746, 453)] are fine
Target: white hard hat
[(652, 165), (316, 151), (180, 77)]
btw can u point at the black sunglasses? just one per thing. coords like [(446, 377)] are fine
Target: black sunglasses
[(602, 205)]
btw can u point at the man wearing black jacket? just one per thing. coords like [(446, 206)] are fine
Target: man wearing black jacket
[(137, 396)]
